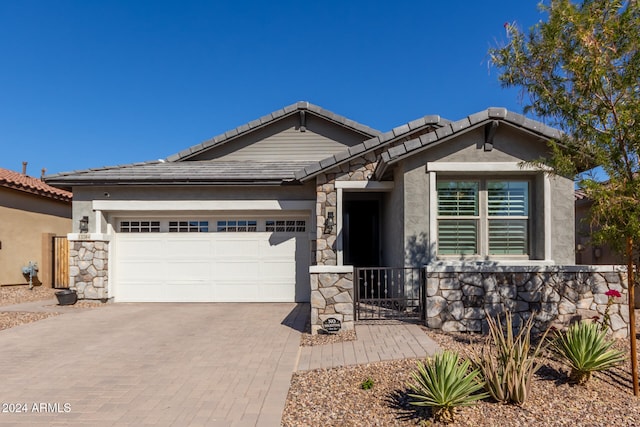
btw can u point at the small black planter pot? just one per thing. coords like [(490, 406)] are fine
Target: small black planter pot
[(67, 297)]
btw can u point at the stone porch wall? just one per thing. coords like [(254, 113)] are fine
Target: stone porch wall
[(88, 268), (331, 297), (458, 297)]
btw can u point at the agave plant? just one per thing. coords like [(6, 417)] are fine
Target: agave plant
[(445, 383), (508, 361), (585, 349)]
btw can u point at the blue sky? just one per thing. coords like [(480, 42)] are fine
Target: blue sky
[(92, 83)]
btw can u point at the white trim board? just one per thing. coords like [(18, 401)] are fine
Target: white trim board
[(202, 205), (365, 185), (482, 167)]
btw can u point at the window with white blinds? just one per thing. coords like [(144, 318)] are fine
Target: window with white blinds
[(470, 212), (508, 211), (458, 217)]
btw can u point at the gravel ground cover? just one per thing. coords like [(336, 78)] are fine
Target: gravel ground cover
[(19, 294), (334, 397), (9, 319)]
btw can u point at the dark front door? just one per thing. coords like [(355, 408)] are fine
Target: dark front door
[(361, 233)]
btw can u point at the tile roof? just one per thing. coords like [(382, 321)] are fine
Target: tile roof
[(192, 172), (269, 118), (449, 130), (395, 134), (17, 181)]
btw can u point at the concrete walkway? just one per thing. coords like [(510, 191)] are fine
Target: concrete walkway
[(172, 364)]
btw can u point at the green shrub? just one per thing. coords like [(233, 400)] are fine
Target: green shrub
[(585, 349), (445, 383), (367, 384), (507, 361)]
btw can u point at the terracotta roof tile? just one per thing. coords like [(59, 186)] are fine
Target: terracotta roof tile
[(17, 181)]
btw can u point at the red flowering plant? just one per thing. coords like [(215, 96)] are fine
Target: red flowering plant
[(606, 318)]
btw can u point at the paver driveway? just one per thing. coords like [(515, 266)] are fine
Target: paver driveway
[(152, 364)]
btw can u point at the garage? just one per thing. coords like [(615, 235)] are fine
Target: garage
[(211, 260)]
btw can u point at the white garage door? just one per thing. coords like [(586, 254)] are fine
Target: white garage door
[(249, 266)]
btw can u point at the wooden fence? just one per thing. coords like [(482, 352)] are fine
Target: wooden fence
[(60, 262)]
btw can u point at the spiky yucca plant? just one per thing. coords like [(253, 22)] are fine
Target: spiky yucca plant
[(507, 362), (585, 349), (445, 383)]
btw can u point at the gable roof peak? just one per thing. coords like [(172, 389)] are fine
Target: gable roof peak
[(465, 124), (271, 118)]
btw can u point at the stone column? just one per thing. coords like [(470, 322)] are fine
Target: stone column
[(89, 265), (331, 296)]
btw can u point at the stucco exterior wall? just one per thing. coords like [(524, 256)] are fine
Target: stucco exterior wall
[(590, 253), (392, 242), (24, 220), (562, 221), (418, 245), (509, 146)]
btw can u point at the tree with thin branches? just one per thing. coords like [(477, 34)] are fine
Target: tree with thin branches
[(579, 70)]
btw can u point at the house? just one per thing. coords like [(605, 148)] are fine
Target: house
[(284, 207), (31, 212), (586, 252)]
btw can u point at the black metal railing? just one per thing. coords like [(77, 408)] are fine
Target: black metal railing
[(385, 293)]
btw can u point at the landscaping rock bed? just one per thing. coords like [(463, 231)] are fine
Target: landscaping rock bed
[(19, 294), (334, 397), (10, 295), (9, 319)]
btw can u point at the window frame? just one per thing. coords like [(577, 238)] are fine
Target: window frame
[(236, 226), (285, 225), (212, 224), (483, 218), (139, 226), (188, 226)]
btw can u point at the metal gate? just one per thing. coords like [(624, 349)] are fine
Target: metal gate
[(60, 274), (385, 293)]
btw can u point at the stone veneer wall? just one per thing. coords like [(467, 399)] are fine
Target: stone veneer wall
[(88, 267), (458, 300), (331, 296), (358, 169)]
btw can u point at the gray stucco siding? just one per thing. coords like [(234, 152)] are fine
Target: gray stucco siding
[(392, 224), (510, 145), (418, 245), (562, 220)]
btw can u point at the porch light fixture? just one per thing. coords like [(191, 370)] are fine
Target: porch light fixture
[(84, 224), (329, 223)]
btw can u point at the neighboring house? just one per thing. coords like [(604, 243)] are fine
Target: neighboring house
[(31, 212), (586, 252), (282, 208)]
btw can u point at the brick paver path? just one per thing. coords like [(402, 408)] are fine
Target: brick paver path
[(375, 343), (152, 364)]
